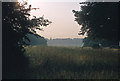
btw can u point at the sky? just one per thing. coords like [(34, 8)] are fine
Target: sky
[(62, 17)]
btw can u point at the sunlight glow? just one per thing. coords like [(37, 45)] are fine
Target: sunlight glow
[(30, 1), (60, 13)]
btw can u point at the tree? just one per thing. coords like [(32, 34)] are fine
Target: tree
[(99, 20), (36, 40), (16, 25)]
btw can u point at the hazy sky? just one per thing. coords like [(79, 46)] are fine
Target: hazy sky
[(60, 13)]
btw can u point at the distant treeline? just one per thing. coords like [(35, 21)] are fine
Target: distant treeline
[(53, 42), (36, 40), (76, 42), (65, 42)]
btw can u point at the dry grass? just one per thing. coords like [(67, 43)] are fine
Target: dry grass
[(72, 63)]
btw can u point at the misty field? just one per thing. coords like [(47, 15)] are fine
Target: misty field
[(47, 62)]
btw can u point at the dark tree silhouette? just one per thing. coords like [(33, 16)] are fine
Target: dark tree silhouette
[(99, 20), (38, 41), (16, 25)]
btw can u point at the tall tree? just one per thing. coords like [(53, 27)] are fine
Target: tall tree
[(16, 25), (99, 20)]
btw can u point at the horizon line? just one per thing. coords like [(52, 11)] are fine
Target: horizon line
[(63, 38)]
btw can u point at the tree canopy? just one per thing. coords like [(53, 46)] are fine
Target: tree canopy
[(99, 20), (16, 21), (16, 25)]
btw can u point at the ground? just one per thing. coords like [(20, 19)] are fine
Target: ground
[(47, 62)]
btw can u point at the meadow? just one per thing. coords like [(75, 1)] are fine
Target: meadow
[(50, 62)]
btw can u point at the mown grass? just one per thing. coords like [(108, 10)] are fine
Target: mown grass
[(47, 62)]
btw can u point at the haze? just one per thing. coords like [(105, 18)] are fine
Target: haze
[(60, 13)]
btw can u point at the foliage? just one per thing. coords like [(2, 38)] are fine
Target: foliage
[(16, 16), (16, 24), (99, 20), (36, 40), (100, 42)]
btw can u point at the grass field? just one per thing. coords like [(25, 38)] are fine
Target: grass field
[(47, 62)]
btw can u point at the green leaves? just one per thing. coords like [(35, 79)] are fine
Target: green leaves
[(99, 20), (16, 17)]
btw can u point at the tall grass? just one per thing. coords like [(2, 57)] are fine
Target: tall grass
[(47, 62)]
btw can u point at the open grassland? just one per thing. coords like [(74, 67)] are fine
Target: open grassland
[(47, 62)]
